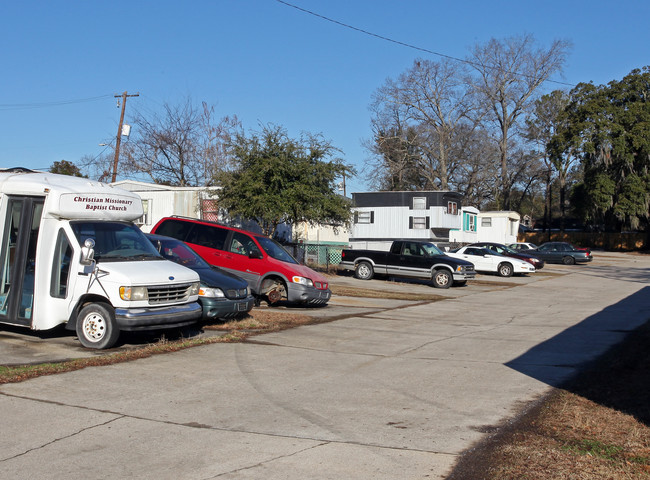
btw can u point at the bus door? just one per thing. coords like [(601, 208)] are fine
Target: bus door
[(18, 259)]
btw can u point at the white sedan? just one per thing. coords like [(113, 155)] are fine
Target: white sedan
[(522, 246), (486, 261)]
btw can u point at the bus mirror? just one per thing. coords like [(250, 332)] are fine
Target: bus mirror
[(88, 252)]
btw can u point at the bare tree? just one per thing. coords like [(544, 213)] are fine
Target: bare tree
[(423, 109), (507, 76), (184, 146)]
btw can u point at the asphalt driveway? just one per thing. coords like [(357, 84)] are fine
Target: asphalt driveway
[(386, 393)]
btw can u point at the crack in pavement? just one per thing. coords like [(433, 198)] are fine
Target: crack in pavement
[(29, 450)]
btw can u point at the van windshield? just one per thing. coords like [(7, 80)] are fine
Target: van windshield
[(116, 241), (275, 250)]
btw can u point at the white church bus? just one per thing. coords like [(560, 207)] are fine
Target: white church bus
[(70, 254)]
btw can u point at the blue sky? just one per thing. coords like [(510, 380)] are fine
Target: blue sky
[(264, 61)]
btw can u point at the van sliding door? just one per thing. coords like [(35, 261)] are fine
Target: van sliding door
[(18, 259)]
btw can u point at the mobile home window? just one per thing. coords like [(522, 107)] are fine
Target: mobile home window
[(486, 222), (364, 217), (452, 208), (145, 219), (419, 223), (419, 203)]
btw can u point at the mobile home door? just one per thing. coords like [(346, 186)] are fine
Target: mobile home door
[(18, 259)]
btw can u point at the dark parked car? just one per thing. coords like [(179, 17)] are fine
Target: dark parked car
[(509, 252), (221, 294), (562, 252)]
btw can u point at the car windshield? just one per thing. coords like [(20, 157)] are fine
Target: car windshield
[(178, 252), (275, 250), (430, 249), (115, 241)]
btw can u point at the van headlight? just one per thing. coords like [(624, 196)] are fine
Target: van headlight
[(302, 281), (134, 294), (211, 292)]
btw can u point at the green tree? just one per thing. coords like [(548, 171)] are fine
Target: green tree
[(608, 128), (66, 168), (541, 127), (283, 180)]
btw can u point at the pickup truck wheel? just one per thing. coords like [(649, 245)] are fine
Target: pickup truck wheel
[(505, 269), (442, 279), (96, 326), (363, 271)]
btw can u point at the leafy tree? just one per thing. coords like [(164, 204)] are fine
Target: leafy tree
[(66, 168), (541, 126), (507, 76), (608, 128), (283, 180)]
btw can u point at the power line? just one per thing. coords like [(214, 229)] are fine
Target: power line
[(27, 106), (408, 45)]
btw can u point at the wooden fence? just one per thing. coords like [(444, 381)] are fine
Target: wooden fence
[(605, 241)]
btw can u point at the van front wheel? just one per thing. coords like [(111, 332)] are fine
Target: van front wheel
[(96, 326)]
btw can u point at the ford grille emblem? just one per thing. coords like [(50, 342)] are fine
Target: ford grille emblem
[(171, 278)]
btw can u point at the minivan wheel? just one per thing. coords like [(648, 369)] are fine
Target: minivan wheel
[(273, 291), (96, 326)]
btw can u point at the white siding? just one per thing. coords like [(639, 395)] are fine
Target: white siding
[(503, 229), (393, 222)]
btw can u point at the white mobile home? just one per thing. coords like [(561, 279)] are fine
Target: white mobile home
[(381, 217), (160, 201), (499, 227)]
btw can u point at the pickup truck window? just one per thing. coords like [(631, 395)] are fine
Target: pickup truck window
[(431, 249)]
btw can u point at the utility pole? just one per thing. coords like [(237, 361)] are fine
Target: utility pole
[(124, 96)]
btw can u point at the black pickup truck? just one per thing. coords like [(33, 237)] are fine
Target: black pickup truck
[(409, 258)]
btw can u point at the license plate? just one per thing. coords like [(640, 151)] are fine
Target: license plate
[(242, 307)]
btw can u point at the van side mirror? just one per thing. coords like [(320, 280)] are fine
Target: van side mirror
[(88, 252), (255, 254)]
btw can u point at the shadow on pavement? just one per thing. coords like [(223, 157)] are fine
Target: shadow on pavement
[(586, 345)]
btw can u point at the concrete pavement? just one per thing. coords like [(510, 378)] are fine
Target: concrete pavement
[(389, 393)]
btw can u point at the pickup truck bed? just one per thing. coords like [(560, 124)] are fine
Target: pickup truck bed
[(412, 259)]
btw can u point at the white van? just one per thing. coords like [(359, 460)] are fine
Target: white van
[(70, 253)]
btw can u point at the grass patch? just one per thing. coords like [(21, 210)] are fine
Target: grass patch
[(256, 322)]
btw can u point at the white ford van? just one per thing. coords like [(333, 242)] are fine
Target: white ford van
[(70, 254)]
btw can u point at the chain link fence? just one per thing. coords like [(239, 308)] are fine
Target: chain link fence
[(314, 254)]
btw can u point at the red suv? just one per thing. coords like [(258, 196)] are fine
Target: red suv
[(269, 269)]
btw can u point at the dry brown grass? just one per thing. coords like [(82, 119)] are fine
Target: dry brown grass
[(345, 291), (256, 322), (597, 427)]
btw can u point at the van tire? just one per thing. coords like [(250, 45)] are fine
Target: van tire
[(96, 327), (273, 290)]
